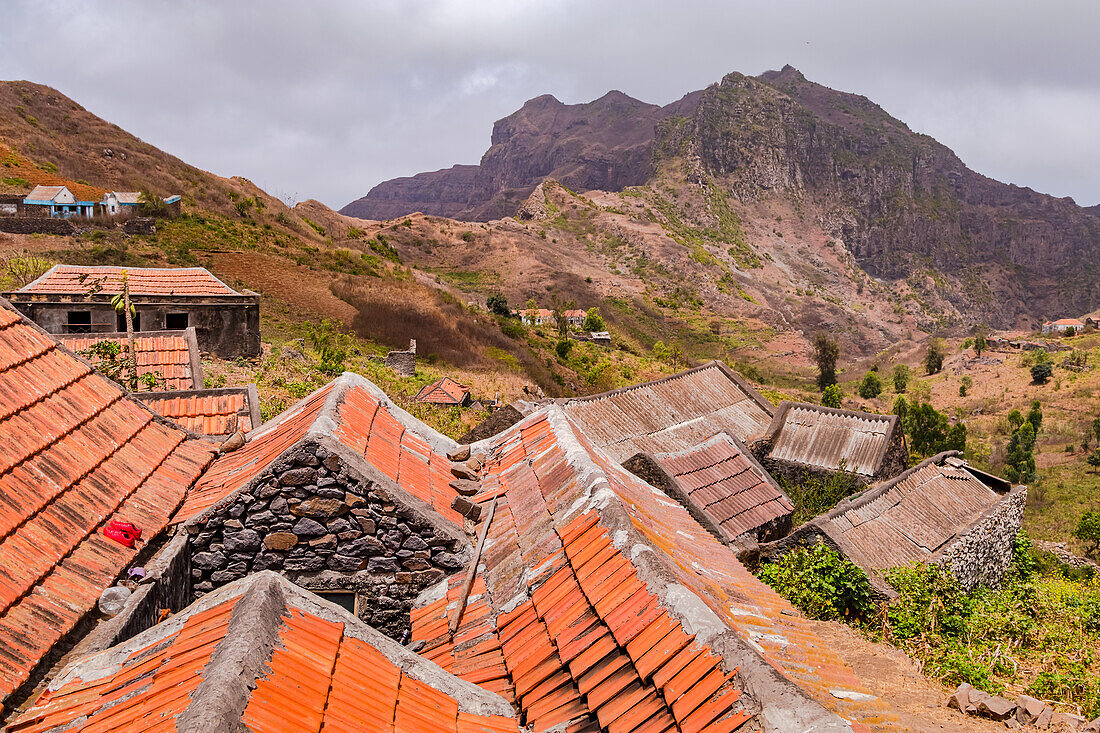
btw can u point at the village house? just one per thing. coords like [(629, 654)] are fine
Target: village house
[(536, 316), (575, 318), (805, 439), (76, 299), (81, 201), (444, 392), (1062, 325), (942, 511)]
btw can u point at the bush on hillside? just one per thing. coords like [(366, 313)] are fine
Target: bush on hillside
[(832, 396), (870, 387), (901, 378), (822, 583), (1042, 372), (593, 321)]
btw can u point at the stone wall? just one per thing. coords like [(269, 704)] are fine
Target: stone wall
[(982, 555), (327, 527), (35, 225), (403, 362)]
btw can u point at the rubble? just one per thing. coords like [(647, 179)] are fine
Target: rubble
[(1025, 711)]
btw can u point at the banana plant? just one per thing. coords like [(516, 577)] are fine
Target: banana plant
[(121, 303)]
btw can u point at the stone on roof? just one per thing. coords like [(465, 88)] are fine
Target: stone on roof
[(825, 438), (606, 606), (209, 412), (156, 281), (76, 453), (672, 414), (263, 655), (171, 355)]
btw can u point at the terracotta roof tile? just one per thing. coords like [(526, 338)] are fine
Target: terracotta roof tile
[(166, 354), (76, 454), (721, 479), (76, 279), (672, 414), (214, 412), (445, 391), (307, 666)]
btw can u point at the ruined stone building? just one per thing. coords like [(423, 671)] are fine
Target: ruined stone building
[(74, 299)]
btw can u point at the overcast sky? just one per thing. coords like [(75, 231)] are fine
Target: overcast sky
[(324, 99)]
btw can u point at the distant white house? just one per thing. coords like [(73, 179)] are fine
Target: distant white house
[(1062, 325), (575, 318), (536, 316), (118, 202), (56, 201)]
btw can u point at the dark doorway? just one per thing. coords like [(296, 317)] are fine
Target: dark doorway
[(120, 319), (342, 599)]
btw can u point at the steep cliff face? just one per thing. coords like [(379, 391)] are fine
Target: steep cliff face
[(903, 204), (605, 144)]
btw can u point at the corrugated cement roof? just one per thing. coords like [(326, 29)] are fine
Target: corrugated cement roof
[(823, 437), (672, 414)]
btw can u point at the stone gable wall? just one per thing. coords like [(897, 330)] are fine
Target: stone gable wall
[(982, 555), (327, 529)]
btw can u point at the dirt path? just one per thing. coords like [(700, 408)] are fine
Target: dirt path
[(918, 701)]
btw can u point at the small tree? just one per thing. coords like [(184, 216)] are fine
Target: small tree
[(1096, 427), (901, 378), (1035, 415), (1042, 372), (964, 386), (870, 387), (825, 352), (901, 409), (1071, 331), (980, 342), (832, 396), (498, 305), (1020, 457), (933, 358), (593, 321), (1094, 458), (1088, 531)]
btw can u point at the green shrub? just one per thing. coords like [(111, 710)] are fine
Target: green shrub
[(812, 495), (1088, 531), (933, 358), (1041, 373), (563, 348), (512, 329), (965, 385), (870, 387), (822, 583), (593, 321), (832, 395), (901, 377)]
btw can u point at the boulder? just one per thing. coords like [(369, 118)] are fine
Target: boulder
[(298, 477), (465, 487), (960, 698), (306, 527), (208, 560), (466, 508), (462, 471), (461, 453), (997, 708), (242, 541), (474, 464), (325, 508), (327, 542), (1028, 709)]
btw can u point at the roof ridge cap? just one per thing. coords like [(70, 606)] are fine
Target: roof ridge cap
[(219, 701)]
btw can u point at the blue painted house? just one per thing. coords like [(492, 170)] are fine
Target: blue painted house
[(57, 202)]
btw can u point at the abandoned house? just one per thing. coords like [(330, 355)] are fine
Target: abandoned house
[(804, 438), (575, 318), (536, 316), (345, 493), (70, 299), (539, 585), (940, 511), (211, 413), (723, 486), (1063, 325), (445, 392), (672, 414), (171, 358)]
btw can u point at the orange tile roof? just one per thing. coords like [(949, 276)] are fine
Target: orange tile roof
[(445, 391), (721, 479), (360, 416), (614, 609), (165, 281), (75, 454), (263, 655), (167, 354), (213, 412)]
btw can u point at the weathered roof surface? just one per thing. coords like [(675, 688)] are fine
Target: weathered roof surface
[(909, 517), (212, 412), (173, 355), (75, 453), (167, 281), (262, 655), (445, 391), (44, 193), (127, 197), (607, 607), (357, 414), (672, 414), (823, 437), (723, 481)]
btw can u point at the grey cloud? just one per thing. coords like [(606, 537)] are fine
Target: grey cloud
[(326, 99)]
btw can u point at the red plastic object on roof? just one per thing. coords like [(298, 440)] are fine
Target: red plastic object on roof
[(123, 533)]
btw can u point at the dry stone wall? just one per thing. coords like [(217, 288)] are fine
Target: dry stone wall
[(982, 555), (328, 528)]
